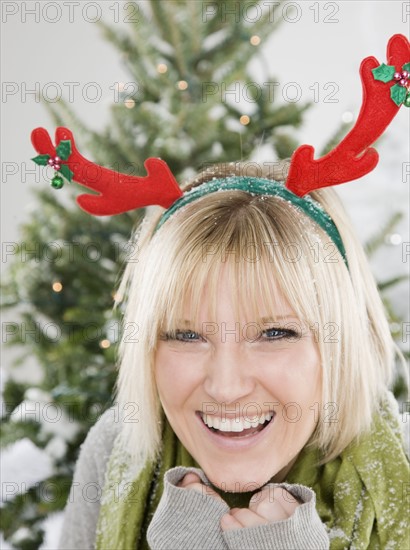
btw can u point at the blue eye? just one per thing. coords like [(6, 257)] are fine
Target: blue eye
[(182, 336), (273, 334), (187, 335)]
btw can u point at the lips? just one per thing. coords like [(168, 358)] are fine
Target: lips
[(237, 428)]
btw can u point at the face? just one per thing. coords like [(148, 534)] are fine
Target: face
[(241, 397)]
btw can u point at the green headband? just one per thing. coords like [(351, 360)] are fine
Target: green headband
[(259, 186)]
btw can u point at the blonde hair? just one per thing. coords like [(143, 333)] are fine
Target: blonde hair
[(168, 270)]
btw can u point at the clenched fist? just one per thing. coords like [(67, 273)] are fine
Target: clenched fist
[(268, 505)]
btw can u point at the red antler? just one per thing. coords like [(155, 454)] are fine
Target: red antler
[(353, 157), (117, 192)]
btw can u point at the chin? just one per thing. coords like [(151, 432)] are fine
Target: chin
[(234, 478)]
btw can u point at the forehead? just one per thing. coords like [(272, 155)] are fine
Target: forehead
[(230, 293), (238, 247)]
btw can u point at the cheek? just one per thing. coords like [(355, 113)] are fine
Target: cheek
[(295, 375), (176, 378)]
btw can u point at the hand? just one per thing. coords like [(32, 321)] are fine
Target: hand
[(268, 505), (192, 481)]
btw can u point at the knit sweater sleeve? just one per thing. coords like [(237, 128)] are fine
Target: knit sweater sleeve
[(186, 519), (83, 505), (303, 530)]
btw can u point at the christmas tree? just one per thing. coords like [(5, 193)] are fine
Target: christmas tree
[(183, 62), (188, 75)]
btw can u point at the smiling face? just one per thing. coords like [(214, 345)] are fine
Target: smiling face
[(242, 397)]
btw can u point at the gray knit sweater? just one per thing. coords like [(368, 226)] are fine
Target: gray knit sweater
[(184, 519)]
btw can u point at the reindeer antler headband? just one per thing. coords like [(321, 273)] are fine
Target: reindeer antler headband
[(385, 88)]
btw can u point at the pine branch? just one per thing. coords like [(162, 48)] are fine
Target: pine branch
[(393, 281), (336, 138)]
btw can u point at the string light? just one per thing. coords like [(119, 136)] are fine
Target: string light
[(162, 68), (57, 286), (244, 120), (120, 86), (105, 344), (395, 238), (182, 85), (347, 117), (129, 103), (255, 40)]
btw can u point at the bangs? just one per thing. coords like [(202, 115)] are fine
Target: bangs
[(237, 237), (198, 301)]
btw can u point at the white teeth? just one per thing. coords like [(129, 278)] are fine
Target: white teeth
[(234, 424), (235, 427)]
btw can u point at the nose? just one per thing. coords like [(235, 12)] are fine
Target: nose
[(229, 377)]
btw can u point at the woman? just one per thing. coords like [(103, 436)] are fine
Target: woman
[(253, 408)]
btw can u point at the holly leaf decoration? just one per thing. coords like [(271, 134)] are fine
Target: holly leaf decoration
[(41, 160), (398, 94), (64, 149), (406, 67), (66, 172), (384, 72)]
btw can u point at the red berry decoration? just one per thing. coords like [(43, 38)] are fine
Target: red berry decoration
[(63, 151)]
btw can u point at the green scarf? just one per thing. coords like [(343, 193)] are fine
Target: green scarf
[(361, 494)]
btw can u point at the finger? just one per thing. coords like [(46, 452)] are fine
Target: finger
[(265, 495), (273, 503), (193, 481), (288, 502), (189, 479), (248, 518), (228, 522)]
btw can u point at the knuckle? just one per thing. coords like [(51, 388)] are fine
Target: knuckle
[(282, 495), (264, 507)]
